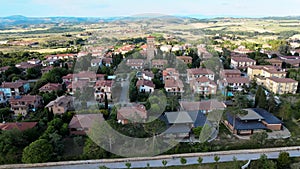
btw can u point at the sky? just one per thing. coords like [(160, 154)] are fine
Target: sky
[(106, 8)]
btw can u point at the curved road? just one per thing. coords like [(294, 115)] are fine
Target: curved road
[(173, 160)]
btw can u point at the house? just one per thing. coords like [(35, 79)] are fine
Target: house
[(25, 65), (77, 86), (46, 69), (204, 106), (180, 124), (146, 75), (255, 120), (174, 86), (96, 62), (18, 88), (89, 76), (61, 105), (281, 85), (170, 73), (132, 114), (81, 124), (230, 73), (185, 59), (49, 87), (22, 105), (264, 71), (203, 53), (103, 87), (135, 63), (235, 83), (145, 86), (203, 86), (195, 73), (275, 62), (21, 126), (159, 63), (241, 62), (166, 48), (125, 49), (3, 69), (107, 61), (242, 50)]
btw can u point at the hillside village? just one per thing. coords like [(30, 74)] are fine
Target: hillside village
[(60, 96)]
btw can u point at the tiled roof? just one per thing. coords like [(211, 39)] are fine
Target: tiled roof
[(237, 80), (242, 59), (85, 120), (12, 85), (178, 117), (103, 83), (282, 80), (199, 71), (25, 98), (132, 112), (243, 125), (145, 83), (17, 125), (268, 117), (202, 105)]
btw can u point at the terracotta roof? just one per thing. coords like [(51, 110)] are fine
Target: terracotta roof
[(133, 112), (18, 125), (85, 120), (158, 62), (242, 59), (267, 68), (25, 98), (237, 80), (103, 83), (145, 83), (77, 84), (51, 87), (61, 101), (4, 68), (202, 79), (231, 71), (199, 71), (170, 83), (282, 80), (202, 105), (135, 62), (148, 73), (12, 85)]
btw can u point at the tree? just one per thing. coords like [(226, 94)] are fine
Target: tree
[(259, 138), (164, 162), (5, 114), (37, 152), (200, 160), (260, 98), (217, 159), (183, 161), (263, 163), (128, 165), (271, 103), (285, 111), (92, 151), (197, 131), (283, 161)]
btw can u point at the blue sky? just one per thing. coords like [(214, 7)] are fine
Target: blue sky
[(104, 8)]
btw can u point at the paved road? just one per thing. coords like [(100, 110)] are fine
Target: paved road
[(175, 159), (125, 90)]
